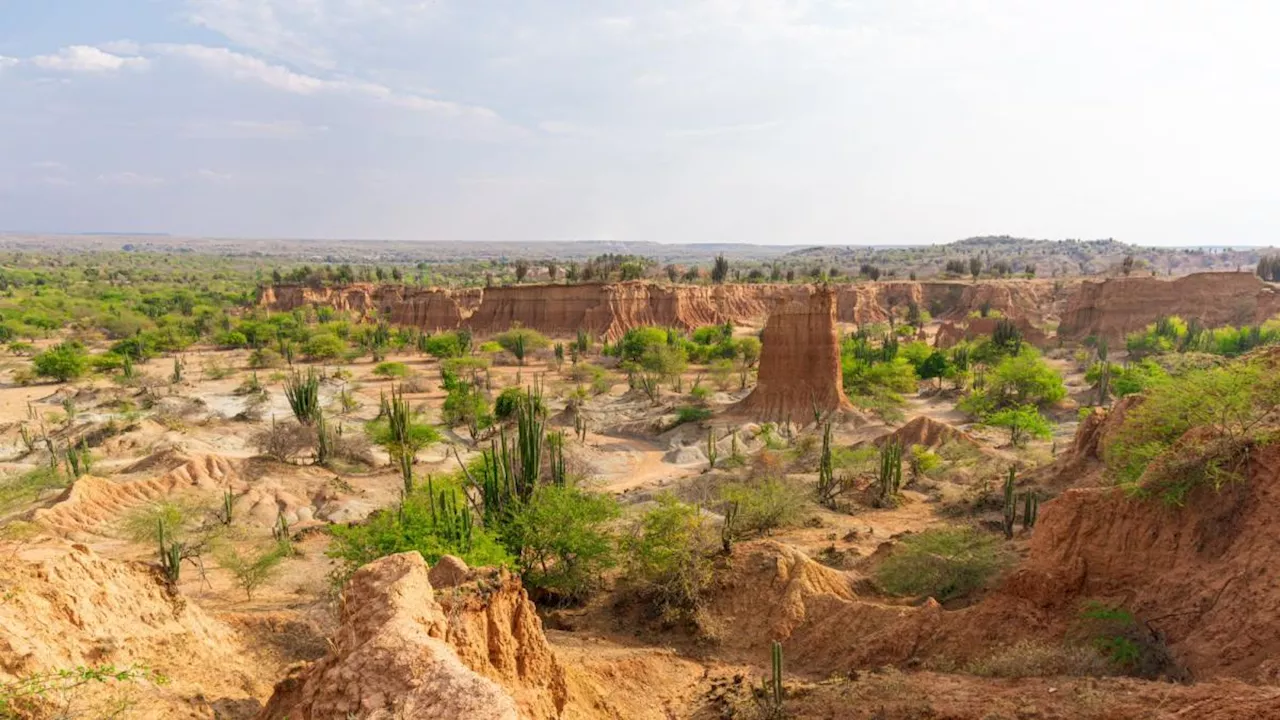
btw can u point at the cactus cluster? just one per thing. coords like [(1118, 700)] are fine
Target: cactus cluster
[(303, 394), (79, 461), (170, 555), (889, 478), (1030, 506)]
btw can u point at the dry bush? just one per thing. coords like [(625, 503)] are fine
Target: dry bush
[(283, 440), (1036, 658), (354, 447)]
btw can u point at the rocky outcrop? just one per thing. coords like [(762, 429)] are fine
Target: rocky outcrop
[(405, 650), (799, 362), (1116, 306)]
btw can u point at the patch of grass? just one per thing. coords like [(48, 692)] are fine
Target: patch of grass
[(690, 413), (1034, 658), (944, 563)]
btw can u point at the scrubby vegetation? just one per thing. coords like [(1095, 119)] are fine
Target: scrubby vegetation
[(943, 563)]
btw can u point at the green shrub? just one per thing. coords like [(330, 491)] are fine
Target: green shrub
[(668, 559), (763, 505), (522, 341), (413, 525), (510, 401), (391, 370), (324, 346), (1152, 452), (263, 358), (567, 545), (690, 413), (443, 345), (944, 563), (28, 486), (62, 362), (252, 571)]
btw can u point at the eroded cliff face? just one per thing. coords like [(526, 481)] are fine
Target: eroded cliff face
[(610, 309), (1116, 306), (1034, 300), (1202, 573), (799, 362), (472, 649)]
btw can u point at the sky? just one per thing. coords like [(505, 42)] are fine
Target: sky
[(762, 121)]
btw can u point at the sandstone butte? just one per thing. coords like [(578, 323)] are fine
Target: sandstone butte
[(799, 362), (610, 309)]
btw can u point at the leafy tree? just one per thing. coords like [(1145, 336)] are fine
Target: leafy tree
[(975, 266), (522, 270), (937, 365), (567, 545), (62, 362), (1021, 422), (1022, 379)]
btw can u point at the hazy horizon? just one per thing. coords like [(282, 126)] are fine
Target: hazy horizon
[(768, 122)]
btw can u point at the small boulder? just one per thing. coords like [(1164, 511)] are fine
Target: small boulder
[(449, 572)]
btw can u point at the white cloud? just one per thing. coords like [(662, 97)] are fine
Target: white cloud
[(6, 62), (246, 68), (213, 176), (48, 165), (131, 179), (85, 58), (121, 47)]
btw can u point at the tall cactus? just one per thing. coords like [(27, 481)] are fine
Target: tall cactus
[(772, 692), (890, 475), (1010, 504), (827, 487), (712, 449), (1030, 510)]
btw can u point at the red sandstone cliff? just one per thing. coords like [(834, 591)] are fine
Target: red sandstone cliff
[(1117, 306), (610, 309), (799, 362)]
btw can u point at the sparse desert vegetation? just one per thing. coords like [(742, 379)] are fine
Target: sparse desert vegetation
[(841, 494)]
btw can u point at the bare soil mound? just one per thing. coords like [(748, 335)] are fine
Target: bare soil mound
[(66, 607), (926, 432)]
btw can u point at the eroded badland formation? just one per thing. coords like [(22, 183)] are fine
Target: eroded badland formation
[(932, 499)]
